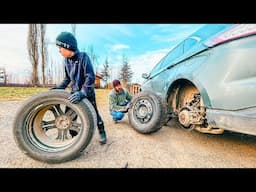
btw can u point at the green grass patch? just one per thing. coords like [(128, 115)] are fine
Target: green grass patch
[(19, 93)]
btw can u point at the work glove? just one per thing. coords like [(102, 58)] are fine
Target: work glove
[(127, 107), (76, 97)]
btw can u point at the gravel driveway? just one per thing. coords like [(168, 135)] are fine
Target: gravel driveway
[(171, 147)]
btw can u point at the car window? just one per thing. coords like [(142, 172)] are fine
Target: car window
[(168, 59), (189, 43)]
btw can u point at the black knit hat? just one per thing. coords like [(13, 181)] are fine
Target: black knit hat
[(67, 41), (116, 83)]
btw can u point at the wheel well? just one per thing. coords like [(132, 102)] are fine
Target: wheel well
[(185, 108), (174, 92)]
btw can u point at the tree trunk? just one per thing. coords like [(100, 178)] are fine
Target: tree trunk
[(43, 50), (33, 52)]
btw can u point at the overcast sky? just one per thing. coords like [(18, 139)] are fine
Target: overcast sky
[(143, 44)]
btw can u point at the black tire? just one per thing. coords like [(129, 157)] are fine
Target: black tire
[(42, 123), (147, 113)]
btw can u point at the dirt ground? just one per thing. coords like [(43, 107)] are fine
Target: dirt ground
[(170, 147)]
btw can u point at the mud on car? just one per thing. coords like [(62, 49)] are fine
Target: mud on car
[(207, 83)]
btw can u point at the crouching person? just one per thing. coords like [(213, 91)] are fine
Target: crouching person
[(119, 101)]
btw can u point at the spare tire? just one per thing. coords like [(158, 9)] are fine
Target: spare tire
[(147, 113), (49, 128)]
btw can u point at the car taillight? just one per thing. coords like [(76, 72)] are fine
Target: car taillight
[(236, 31)]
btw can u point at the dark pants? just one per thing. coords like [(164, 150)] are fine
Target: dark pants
[(100, 123), (91, 98)]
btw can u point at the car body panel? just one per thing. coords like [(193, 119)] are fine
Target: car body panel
[(225, 74), (229, 76)]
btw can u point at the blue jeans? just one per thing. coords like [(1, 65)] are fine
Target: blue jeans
[(117, 115)]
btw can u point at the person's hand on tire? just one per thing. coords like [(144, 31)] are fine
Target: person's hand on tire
[(76, 97)]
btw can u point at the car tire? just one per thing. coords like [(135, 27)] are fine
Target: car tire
[(148, 112), (42, 123)]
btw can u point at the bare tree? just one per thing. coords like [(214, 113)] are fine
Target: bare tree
[(50, 71), (105, 72), (43, 50), (94, 58), (73, 28), (33, 52), (126, 72)]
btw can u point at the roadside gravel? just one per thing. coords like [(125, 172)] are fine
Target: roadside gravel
[(170, 147)]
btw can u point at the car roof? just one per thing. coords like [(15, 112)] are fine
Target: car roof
[(203, 35)]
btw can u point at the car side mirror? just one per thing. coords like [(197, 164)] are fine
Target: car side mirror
[(145, 75)]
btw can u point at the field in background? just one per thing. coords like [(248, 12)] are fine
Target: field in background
[(21, 93), (18, 93)]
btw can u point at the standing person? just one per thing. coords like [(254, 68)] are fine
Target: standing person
[(79, 74), (119, 101)]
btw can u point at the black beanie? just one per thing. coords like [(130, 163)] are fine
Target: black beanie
[(67, 41), (116, 83)]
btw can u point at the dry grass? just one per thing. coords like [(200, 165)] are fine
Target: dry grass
[(18, 93), (21, 93), (102, 96)]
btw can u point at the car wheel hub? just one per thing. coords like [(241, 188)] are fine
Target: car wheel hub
[(63, 122), (184, 118), (143, 111)]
